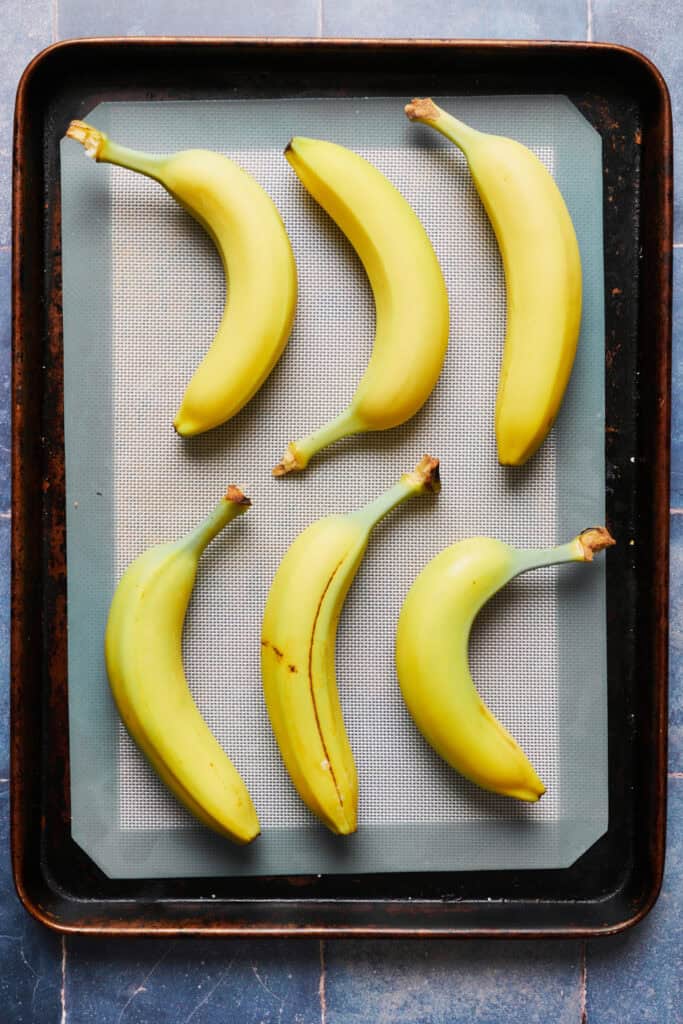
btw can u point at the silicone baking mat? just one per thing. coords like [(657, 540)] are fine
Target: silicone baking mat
[(143, 293)]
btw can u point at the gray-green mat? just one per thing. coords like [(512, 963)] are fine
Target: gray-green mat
[(143, 292)]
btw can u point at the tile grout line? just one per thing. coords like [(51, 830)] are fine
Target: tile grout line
[(321, 985), (675, 775), (589, 21), (54, 17), (62, 991), (583, 973), (319, 24), (677, 245)]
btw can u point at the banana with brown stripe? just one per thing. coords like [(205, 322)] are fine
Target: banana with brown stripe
[(298, 650)]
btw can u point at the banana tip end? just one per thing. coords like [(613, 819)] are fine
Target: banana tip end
[(186, 427), (246, 838), (532, 794), (345, 826)]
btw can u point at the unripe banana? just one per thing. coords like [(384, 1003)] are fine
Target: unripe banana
[(258, 261), (143, 651), (298, 650), (432, 656), (543, 282), (411, 327)]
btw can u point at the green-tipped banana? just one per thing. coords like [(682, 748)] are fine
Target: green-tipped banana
[(298, 650), (432, 662), (143, 650), (542, 268), (411, 301), (258, 261)]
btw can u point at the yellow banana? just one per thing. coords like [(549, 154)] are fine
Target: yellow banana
[(144, 662), (411, 332), (258, 261), (542, 268), (298, 650), (432, 664)]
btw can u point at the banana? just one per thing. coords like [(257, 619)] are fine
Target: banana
[(432, 664), (143, 654), (258, 261), (411, 333), (543, 282), (298, 650)]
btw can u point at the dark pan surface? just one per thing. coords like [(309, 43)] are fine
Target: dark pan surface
[(617, 880)]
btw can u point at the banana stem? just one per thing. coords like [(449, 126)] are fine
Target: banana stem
[(101, 148), (580, 549), (231, 505), (300, 453), (426, 112), (425, 477)]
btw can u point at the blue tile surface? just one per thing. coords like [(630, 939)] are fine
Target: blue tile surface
[(5, 525), (655, 27), (504, 19), (452, 982), (5, 364), (635, 977), (140, 982), (175, 17), (677, 385), (676, 646), (638, 976), (30, 956), (26, 29), (5, 522)]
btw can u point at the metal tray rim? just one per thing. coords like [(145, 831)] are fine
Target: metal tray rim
[(30, 897)]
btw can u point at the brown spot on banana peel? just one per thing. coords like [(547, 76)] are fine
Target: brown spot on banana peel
[(594, 539), (422, 109), (276, 650), (279, 655)]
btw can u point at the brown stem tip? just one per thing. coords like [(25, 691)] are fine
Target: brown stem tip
[(595, 539), (237, 496), (90, 138), (427, 472), (289, 464), (422, 110)]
